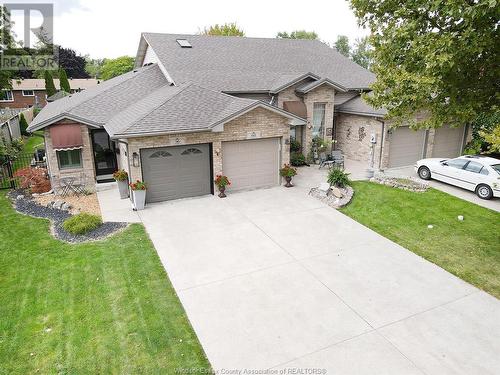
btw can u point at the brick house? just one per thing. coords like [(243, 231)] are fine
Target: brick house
[(196, 106), (27, 93)]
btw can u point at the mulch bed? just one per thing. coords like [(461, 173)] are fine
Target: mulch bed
[(24, 204)]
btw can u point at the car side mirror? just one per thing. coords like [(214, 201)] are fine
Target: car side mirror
[(444, 163)]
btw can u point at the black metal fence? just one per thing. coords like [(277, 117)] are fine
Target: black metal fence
[(9, 167)]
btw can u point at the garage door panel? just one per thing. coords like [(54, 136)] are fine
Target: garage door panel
[(447, 142), (251, 164), (176, 172), (406, 146)]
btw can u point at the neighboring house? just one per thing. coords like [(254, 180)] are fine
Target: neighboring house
[(196, 106), (27, 93)]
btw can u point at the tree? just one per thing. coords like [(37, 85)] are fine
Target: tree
[(93, 67), (361, 53), (115, 67), (342, 45), (435, 58), (63, 81), (227, 29), (297, 34), (483, 130), (50, 88), (73, 64), (23, 124), (7, 44)]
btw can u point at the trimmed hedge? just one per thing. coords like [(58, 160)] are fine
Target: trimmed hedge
[(82, 223)]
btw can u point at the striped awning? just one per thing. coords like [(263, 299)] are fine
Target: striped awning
[(66, 137)]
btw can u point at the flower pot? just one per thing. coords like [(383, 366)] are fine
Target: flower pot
[(123, 188), (222, 193), (139, 199), (288, 180)]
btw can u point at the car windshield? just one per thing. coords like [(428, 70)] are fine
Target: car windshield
[(496, 167)]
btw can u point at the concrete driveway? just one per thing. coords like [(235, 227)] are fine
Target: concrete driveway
[(274, 279)]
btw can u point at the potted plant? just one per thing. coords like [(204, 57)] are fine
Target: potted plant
[(121, 178), (221, 182), (288, 172), (138, 194)]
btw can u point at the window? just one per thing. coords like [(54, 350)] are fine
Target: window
[(191, 151), (485, 172), (456, 163), (160, 154), (69, 159), (318, 119), (6, 96), (474, 167), (496, 168), (28, 93)]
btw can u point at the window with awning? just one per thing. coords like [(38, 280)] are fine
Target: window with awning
[(66, 137)]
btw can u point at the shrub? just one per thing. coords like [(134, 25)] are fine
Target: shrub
[(221, 181), (35, 179), (23, 124), (82, 223), (337, 177), (120, 175), (297, 159), (295, 146), (287, 171)]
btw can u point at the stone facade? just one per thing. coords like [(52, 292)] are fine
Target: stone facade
[(352, 135), (264, 123), (87, 170)]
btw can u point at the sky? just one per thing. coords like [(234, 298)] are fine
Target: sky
[(112, 28)]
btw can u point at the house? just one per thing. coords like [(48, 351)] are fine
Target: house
[(27, 93), (197, 106)]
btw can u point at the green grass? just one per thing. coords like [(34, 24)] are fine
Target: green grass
[(469, 249), (32, 142), (104, 307)]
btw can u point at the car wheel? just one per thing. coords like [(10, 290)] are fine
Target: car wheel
[(484, 192), (424, 173)]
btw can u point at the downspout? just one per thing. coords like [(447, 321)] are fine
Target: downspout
[(381, 143), (128, 164)]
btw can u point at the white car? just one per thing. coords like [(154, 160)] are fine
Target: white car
[(476, 173)]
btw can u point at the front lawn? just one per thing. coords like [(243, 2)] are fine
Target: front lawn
[(469, 249), (32, 142), (96, 308)]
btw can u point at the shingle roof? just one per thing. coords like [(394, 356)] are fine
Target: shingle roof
[(184, 108), (238, 64), (58, 95), (98, 104), (358, 106)]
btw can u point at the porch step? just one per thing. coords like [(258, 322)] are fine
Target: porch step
[(105, 186)]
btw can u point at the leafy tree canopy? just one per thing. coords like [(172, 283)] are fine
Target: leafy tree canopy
[(297, 34), (115, 67), (93, 67), (72, 63), (227, 29), (437, 58), (342, 45)]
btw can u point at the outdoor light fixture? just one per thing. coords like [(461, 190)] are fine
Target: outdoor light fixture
[(135, 159), (217, 152)]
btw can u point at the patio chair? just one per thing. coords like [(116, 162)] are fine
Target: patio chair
[(337, 158), (324, 161)]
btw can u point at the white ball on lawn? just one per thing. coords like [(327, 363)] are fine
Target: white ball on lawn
[(460, 217), (430, 226)]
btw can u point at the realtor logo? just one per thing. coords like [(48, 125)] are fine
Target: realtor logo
[(34, 23)]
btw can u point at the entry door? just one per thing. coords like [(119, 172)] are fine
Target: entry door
[(176, 172), (104, 153)]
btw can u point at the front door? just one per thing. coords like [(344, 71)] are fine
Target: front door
[(104, 153)]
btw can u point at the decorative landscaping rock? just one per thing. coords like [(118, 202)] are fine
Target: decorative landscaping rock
[(408, 183), (330, 199), (20, 197), (66, 207), (336, 192), (58, 204), (28, 206)]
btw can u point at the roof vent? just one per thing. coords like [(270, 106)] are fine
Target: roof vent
[(184, 43)]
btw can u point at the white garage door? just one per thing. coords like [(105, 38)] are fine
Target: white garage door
[(251, 164), (406, 146), (448, 142), (176, 172)]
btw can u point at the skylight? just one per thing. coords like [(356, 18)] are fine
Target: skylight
[(184, 43)]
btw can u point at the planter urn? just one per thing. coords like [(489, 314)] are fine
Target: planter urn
[(288, 180), (222, 193), (139, 198), (123, 188)]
